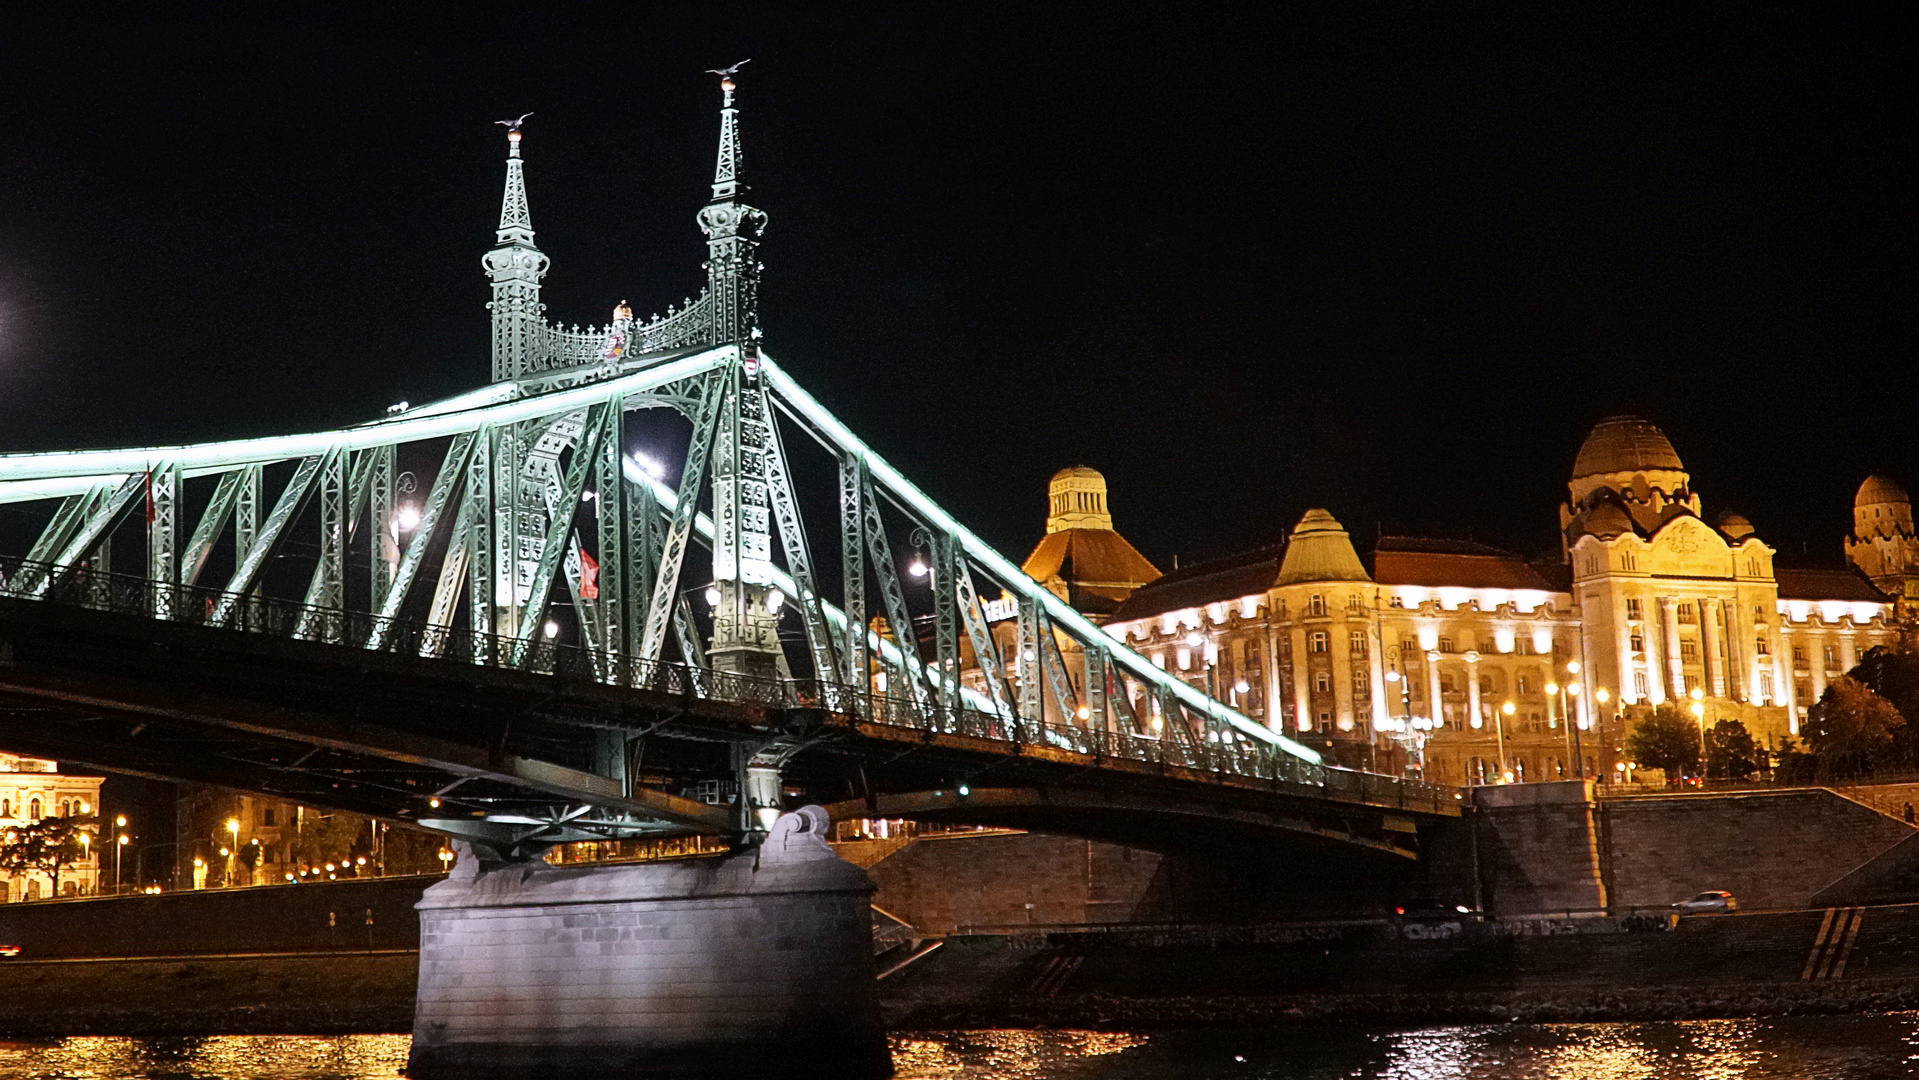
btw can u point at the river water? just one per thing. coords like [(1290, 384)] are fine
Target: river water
[(1787, 1048)]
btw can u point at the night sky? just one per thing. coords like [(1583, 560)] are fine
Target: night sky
[(1392, 261)]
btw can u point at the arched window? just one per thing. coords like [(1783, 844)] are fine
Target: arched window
[(1316, 605), (66, 808), (33, 810), (6, 808), (1446, 683)]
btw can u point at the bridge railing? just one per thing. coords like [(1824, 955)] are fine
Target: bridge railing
[(1223, 753)]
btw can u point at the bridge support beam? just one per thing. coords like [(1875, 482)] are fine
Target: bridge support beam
[(759, 962)]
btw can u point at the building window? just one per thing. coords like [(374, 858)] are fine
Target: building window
[(1799, 655), (1446, 645), (1829, 657), (1752, 567), (1802, 690), (266, 817), (1362, 682), (1632, 607), (1352, 605), (1692, 683), (1524, 683), (1446, 685), (1638, 643), (1325, 718), (1686, 614), (1316, 605), (1765, 687), (1322, 683), (1397, 601), (1759, 613), (1488, 685), (1356, 642), (33, 810), (1627, 561), (1640, 690), (1409, 649), (1689, 651), (1760, 648), (1316, 641)]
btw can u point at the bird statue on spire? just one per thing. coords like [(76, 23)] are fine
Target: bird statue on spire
[(513, 126), (726, 72)]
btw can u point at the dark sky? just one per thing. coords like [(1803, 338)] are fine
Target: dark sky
[(1392, 261)]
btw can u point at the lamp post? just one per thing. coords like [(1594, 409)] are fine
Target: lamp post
[(1566, 692), (1602, 696), (232, 848), (1698, 710), (1499, 731), (1407, 731)]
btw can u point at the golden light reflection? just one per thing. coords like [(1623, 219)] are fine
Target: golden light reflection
[(1002, 1055)]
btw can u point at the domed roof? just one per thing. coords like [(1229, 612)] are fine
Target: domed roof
[(1079, 472), (1735, 525), (1879, 489), (1320, 550), (1608, 520), (1620, 444)]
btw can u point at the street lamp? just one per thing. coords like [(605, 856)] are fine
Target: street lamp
[(1602, 696), (117, 849), (1499, 730), (233, 828)]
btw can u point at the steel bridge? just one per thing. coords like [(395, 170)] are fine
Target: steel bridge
[(495, 615)]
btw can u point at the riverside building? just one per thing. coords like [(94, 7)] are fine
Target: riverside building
[(32, 789), (1466, 662)]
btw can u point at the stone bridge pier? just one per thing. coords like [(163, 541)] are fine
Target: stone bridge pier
[(754, 963)]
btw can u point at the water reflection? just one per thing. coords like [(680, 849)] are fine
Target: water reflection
[(1875, 1047)]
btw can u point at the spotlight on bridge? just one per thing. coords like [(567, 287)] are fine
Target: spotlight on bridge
[(712, 596), (407, 518), (551, 630), (917, 568), (775, 600)]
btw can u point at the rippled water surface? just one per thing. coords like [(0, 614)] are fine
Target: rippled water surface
[(1802, 1048)]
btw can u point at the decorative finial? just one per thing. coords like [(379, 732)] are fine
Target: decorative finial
[(622, 313), (726, 77), (513, 133)]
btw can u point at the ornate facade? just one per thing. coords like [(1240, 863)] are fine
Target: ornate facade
[(32, 789), (1477, 661)]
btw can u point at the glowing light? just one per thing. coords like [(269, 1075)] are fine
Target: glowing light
[(1084, 713), (551, 630), (712, 596), (775, 600), (1573, 688), (1552, 688), (964, 790), (1696, 693), (123, 839), (433, 802), (1392, 676), (1509, 708), (1195, 640), (1241, 686), (917, 568), (233, 826), (1698, 710), (120, 821), (1572, 667), (1602, 695), (407, 518)]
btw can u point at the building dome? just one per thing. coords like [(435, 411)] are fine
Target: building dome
[(1881, 508), (1608, 520), (1076, 499), (1320, 550), (1735, 525), (1880, 489), (1625, 444)]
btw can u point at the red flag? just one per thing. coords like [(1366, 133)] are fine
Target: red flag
[(149, 496), (589, 576)]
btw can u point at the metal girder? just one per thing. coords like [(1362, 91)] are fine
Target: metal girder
[(207, 532), (59, 532), (666, 582), (163, 536), (1032, 705), (246, 509), (687, 634), (853, 575), (246, 574), (1095, 661), (394, 598), (985, 649), (559, 528), (887, 574), (609, 484), (478, 543), (643, 539), (100, 523), (510, 442), (383, 551), (446, 591), (946, 664), (326, 590), (799, 561), (1054, 665)]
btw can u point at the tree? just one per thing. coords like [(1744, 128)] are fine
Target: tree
[(1666, 740), (1893, 674), (1851, 731), (1731, 753), (45, 846)]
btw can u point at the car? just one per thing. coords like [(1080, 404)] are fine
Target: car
[(9, 950), (1708, 901)]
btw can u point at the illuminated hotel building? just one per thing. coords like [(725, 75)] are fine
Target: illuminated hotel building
[(32, 789), (1468, 656)]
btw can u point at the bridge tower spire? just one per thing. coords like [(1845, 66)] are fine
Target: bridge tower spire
[(516, 267), (732, 231), (746, 616)]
